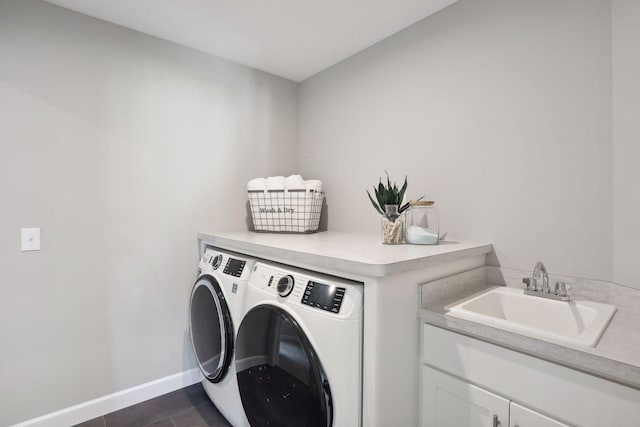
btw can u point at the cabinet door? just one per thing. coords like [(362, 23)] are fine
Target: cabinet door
[(450, 402), (525, 417)]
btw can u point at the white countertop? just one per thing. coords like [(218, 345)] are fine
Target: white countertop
[(361, 254)]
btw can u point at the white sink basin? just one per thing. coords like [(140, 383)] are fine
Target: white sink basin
[(577, 322)]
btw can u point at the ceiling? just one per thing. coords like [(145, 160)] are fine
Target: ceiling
[(291, 38)]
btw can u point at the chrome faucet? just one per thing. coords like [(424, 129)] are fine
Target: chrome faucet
[(540, 268), (560, 291)]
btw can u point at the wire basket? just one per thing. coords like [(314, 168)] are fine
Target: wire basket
[(286, 211)]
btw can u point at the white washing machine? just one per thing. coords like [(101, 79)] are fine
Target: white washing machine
[(299, 349), (215, 313)]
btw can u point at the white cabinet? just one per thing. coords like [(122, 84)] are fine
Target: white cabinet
[(558, 394), (519, 416), (450, 402)]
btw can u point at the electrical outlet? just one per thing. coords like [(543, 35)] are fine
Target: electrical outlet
[(30, 239)]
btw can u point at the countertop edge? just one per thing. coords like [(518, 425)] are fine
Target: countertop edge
[(348, 266), (283, 256), (608, 369)]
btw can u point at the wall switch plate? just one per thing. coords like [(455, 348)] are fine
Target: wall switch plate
[(30, 239)]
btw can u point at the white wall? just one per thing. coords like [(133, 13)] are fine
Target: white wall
[(626, 141), (498, 110), (121, 147)]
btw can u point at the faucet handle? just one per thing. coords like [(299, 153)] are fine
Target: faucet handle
[(562, 288), (530, 283)]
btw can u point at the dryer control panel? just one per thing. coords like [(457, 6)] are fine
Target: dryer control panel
[(234, 267), (226, 264), (324, 297)]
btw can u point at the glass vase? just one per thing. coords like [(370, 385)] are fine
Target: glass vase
[(422, 226), (392, 226)]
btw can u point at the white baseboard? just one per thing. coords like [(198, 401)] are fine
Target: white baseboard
[(115, 401)]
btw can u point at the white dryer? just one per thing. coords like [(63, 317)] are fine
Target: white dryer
[(215, 313), (299, 349)]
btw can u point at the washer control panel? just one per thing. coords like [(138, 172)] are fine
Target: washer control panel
[(307, 293), (234, 267), (324, 297)]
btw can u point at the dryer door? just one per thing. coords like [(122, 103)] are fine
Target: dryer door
[(280, 377), (211, 328)]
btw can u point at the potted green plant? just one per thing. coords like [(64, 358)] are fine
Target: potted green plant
[(388, 203)]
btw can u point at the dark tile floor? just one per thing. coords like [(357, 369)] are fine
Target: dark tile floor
[(187, 407)]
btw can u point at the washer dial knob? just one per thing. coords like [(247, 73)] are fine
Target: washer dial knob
[(285, 286), (216, 261)]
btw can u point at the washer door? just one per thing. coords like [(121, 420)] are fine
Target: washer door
[(211, 328), (280, 377)]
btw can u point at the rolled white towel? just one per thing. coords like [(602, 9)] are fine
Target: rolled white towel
[(256, 184), (294, 182), (275, 183), (313, 184)]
